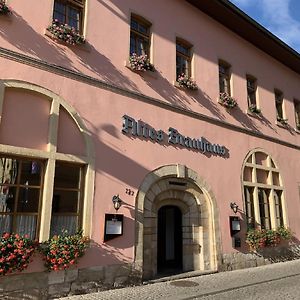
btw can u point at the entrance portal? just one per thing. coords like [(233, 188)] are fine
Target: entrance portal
[(169, 240)]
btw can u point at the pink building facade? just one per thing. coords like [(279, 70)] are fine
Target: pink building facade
[(80, 124)]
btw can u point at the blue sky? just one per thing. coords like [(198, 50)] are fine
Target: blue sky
[(281, 17)]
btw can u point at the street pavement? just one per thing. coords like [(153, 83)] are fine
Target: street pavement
[(275, 281)]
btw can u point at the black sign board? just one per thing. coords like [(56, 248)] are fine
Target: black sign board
[(113, 226)]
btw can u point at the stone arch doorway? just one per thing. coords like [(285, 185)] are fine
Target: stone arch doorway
[(177, 185)]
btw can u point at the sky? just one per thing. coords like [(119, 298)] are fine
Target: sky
[(281, 17)]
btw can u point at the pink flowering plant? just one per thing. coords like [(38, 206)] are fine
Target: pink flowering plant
[(140, 62), (186, 82), (260, 238), (65, 33), (227, 101), (16, 251), (62, 251), (4, 9)]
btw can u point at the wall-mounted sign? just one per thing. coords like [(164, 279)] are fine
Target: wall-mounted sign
[(141, 129), (113, 226)]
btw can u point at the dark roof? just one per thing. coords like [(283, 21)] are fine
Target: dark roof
[(234, 19)]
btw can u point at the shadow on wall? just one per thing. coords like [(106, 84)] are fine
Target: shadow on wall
[(112, 251), (21, 35)]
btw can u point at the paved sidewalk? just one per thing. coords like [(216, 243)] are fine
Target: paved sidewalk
[(205, 287)]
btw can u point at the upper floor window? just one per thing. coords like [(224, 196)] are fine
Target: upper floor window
[(183, 58), (70, 12), (251, 91), (279, 105), (139, 36), (263, 192), (224, 77), (297, 113)]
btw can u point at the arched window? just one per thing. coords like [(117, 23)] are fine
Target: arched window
[(263, 192), (46, 163)]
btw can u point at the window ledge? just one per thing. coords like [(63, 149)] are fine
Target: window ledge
[(177, 85), (84, 47), (297, 130), (149, 73), (281, 125), (7, 17)]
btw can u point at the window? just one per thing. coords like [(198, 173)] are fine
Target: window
[(279, 104), (278, 208), (20, 195), (263, 192), (224, 77), (67, 198), (251, 91), (183, 58), (297, 113), (264, 213), (70, 12), (139, 36), (248, 191)]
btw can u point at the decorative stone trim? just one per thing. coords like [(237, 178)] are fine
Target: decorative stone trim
[(52, 155), (201, 225), (44, 65)]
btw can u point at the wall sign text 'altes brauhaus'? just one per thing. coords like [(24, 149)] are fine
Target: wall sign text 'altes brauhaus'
[(141, 129)]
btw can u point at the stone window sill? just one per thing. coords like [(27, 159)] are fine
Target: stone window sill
[(152, 74), (84, 47), (281, 125)]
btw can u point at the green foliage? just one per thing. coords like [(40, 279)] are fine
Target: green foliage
[(61, 251)]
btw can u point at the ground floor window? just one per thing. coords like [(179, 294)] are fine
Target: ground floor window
[(263, 192), (21, 189), (67, 198)]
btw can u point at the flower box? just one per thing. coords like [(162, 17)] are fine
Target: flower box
[(65, 33), (254, 109), (282, 121), (62, 251), (140, 63), (227, 101), (186, 82), (4, 9), (257, 238)]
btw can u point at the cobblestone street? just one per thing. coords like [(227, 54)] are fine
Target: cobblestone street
[(276, 281)]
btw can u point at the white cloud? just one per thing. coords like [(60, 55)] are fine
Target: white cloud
[(279, 21)]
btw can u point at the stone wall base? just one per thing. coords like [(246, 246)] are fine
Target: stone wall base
[(49, 285), (265, 256)]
